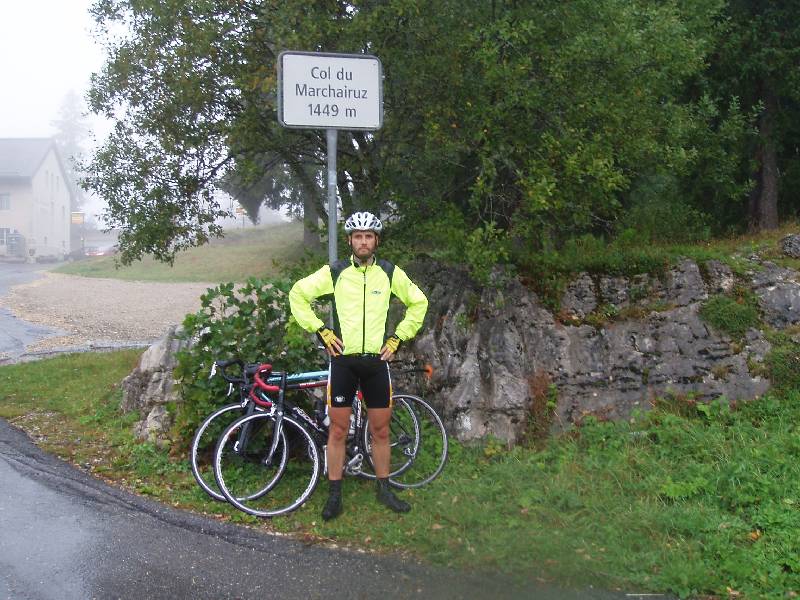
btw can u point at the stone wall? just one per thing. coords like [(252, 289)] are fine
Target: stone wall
[(500, 356)]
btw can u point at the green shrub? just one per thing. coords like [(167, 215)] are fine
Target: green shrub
[(733, 315), (783, 364), (249, 323), (449, 237), (658, 213)]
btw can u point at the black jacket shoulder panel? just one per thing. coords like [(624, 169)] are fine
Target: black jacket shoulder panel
[(337, 268), (388, 268)]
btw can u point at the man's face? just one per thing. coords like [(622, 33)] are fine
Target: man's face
[(363, 244)]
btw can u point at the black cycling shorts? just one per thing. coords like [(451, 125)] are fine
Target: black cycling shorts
[(370, 374)]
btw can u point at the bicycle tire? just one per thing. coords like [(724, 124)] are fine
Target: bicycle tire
[(430, 455), (204, 443), (263, 484), (403, 440), (291, 481)]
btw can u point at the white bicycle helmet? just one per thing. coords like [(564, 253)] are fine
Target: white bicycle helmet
[(363, 221)]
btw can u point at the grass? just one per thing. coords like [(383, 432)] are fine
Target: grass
[(259, 252), (690, 499), (240, 254), (733, 314), (548, 273)]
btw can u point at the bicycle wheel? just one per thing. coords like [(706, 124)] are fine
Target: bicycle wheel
[(204, 443), (404, 435), (429, 453), (256, 483)]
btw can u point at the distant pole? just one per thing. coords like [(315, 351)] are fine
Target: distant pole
[(332, 220)]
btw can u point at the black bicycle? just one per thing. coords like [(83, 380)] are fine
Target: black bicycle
[(207, 434)]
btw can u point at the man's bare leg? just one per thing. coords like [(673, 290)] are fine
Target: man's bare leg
[(379, 419), (335, 452)]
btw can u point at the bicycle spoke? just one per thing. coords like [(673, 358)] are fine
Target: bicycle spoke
[(418, 443), (263, 477), (427, 452), (204, 443)]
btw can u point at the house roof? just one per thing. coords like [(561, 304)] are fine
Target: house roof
[(20, 158)]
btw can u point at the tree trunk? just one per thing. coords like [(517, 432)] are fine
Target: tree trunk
[(312, 204), (764, 211), (310, 224)]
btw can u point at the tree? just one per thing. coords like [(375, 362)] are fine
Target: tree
[(72, 133), (503, 120), (275, 186), (756, 64), (535, 118)]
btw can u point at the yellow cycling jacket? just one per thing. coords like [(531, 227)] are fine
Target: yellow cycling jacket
[(361, 302)]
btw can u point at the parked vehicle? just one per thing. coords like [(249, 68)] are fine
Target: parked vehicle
[(100, 250)]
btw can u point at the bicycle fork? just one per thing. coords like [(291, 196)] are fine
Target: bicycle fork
[(267, 461)]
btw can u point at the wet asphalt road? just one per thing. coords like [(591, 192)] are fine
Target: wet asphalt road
[(16, 334), (65, 535)]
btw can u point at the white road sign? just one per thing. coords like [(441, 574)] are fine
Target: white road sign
[(330, 91)]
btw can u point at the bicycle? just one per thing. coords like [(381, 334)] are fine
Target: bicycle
[(210, 429), (266, 472), (205, 438)]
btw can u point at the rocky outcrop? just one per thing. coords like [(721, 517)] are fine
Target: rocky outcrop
[(500, 356), (790, 245), (151, 386), (778, 297)]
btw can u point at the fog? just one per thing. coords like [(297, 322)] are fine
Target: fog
[(49, 51)]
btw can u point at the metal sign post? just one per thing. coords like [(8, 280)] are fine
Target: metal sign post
[(332, 135), (319, 90)]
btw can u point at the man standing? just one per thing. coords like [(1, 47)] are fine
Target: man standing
[(359, 346)]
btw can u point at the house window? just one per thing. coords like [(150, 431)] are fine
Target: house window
[(5, 201), (4, 233)]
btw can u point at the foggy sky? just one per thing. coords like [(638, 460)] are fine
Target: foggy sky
[(47, 50)]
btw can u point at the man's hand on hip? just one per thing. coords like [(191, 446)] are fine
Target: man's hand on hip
[(333, 344), (390, 347)]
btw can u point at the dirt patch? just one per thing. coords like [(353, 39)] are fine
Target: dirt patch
[(102, 312)]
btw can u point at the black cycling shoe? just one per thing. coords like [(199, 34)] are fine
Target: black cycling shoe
[(333, 508), (387, 497)]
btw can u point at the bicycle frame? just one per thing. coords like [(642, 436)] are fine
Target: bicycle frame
[(305, 381)]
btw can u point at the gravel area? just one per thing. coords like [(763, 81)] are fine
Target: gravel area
[(94, 312)]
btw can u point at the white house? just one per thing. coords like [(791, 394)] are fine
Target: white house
[(34, 200)]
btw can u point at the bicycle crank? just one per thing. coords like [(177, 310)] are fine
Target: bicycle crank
[(353, 466)]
